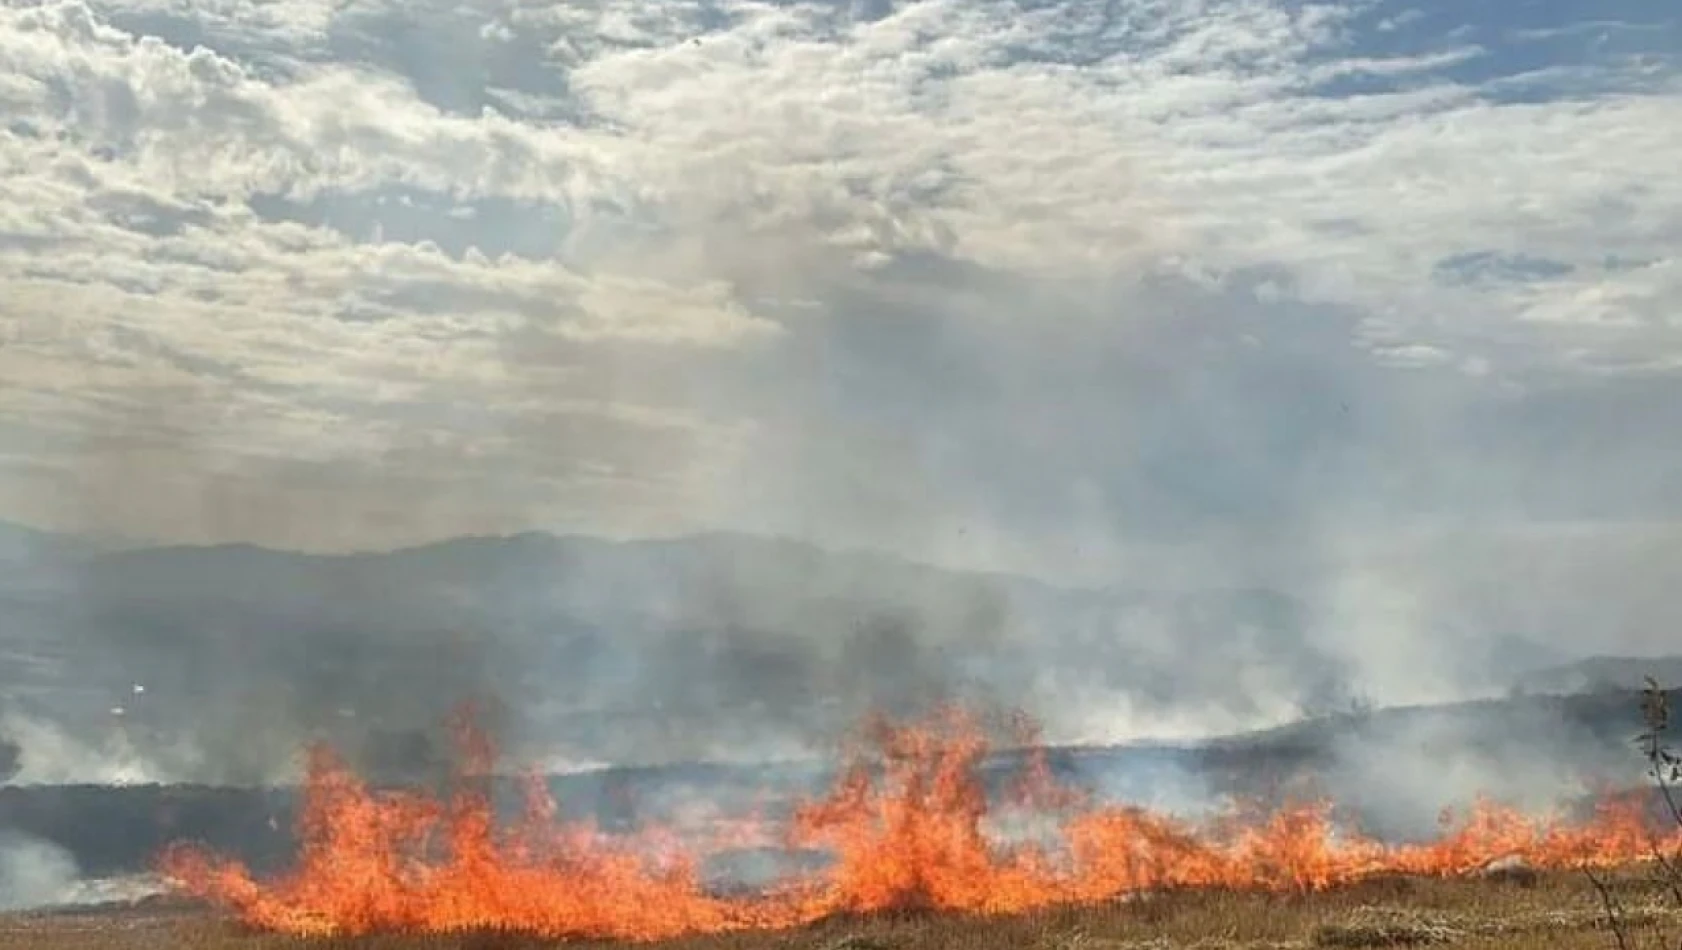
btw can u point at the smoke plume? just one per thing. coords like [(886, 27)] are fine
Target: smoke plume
[(34, 872)]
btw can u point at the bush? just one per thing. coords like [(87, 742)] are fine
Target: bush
[(1664, 767)]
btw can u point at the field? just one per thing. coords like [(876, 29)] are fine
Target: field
[(1559, 911), (904, 828)]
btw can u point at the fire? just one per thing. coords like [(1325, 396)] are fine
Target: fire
[(906, 823)]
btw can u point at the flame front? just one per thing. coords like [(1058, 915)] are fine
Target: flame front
[(905, 823)]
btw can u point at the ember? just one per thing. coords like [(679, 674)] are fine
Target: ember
[(905, 823)]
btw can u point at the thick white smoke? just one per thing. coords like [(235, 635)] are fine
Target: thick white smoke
[(34, 872)]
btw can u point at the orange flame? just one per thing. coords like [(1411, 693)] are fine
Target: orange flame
[(905, 823)]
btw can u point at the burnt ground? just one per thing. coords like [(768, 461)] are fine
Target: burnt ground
[(1557, 912)]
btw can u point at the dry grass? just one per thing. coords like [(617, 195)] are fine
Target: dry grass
[(1556, 912)]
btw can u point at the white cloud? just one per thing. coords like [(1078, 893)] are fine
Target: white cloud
[(1198, 134)]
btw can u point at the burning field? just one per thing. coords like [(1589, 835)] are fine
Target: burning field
[(1559, 910), (917, 851)]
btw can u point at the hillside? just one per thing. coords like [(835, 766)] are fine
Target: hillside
[(1597, 673), (221, 659)]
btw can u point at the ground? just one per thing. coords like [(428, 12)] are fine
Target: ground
[(1553, 912)]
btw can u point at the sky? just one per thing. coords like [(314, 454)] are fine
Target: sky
[(1080, 288)]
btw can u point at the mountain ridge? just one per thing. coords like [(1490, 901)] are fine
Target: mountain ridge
[(648, 650)]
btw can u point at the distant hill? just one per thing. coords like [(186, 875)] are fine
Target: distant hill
[(17, 539), (215, 662), (26, 549), (1604, 673)]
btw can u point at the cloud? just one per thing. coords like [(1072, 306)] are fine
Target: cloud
[(382, 219)]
